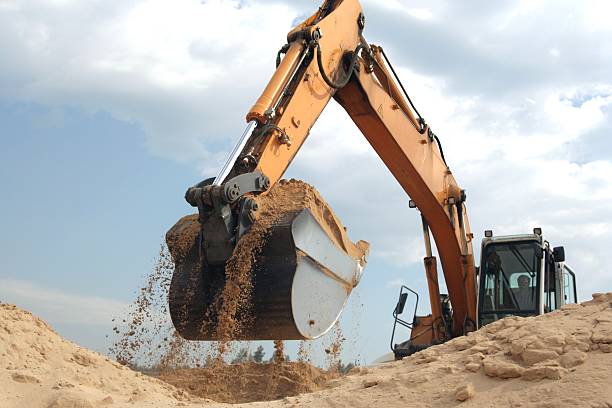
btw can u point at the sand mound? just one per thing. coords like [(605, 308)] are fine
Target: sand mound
[(560, 359), (248, 382), (40, 369)]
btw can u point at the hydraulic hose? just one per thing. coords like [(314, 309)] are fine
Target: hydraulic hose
[(345, 81)]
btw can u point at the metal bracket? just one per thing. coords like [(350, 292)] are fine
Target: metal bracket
[(430, 134), (361, 21), (223, 223), (206, 194), (245, 183), (283, 137), (248, 215)]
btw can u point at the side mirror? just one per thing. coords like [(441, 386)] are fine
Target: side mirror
[(559, 254), (399, 308)]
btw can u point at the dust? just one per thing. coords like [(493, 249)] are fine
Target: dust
[(145, 335)]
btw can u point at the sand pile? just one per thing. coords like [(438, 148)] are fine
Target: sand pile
[(249, 382), (560, 359), (40, 369)]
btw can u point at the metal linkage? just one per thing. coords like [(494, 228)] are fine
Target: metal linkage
[(225, 214), (212, 195)]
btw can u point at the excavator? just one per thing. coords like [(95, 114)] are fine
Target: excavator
[(301, 279)]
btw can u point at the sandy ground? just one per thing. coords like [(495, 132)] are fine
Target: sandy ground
[(235, 383), (561, 359)]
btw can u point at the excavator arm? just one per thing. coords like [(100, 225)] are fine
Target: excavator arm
[(411, 152), (327, 57), (297, 93)]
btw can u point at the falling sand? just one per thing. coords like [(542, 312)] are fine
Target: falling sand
[(148, 341), (333, 350)]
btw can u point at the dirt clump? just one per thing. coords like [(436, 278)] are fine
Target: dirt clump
[(239, 383), (181, 236), (464, 392)]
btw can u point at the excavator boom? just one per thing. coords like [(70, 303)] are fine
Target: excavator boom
[(325, 57)]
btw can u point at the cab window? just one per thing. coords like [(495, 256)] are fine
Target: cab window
[(509, 280)]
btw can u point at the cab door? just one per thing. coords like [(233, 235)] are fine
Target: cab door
[(569, 285), (559, 280)]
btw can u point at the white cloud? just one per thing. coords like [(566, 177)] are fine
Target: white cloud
[(420, 10), (507, 113), (597, 16), (420, 13), (186, 72), (59, 307)]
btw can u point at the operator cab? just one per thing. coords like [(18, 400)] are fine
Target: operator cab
[(520, 275)]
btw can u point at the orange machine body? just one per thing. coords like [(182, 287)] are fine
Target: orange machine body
[(298, 93)]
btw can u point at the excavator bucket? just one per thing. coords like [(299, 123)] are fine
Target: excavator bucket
[(301, 279)]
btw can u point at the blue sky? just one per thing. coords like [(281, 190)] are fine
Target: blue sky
[(78, 186), (109, 110)]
